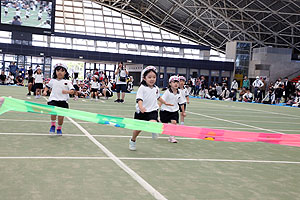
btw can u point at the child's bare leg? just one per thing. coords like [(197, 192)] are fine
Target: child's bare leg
[(135, 134), (60, 121)]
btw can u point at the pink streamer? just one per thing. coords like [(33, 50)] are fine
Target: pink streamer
[(231, 136)]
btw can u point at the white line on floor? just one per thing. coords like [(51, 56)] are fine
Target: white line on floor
[(149, 159), (121, 164)]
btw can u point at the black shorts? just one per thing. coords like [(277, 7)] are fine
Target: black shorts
[(38, 85), (30, 80), (166, 116), (76, 87), (121, 87), (147, 116), (180, 107), (94, 90), (62, 104)]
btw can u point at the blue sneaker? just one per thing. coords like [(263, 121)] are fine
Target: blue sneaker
[(52, 130), (59, 132)]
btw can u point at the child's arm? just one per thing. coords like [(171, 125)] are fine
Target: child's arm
[(162, 101), (68, 91), (140, 104), (188, 100)]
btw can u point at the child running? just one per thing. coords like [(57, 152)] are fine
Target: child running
[(185, 96), (146, 101), (169, 114), (60, 87)]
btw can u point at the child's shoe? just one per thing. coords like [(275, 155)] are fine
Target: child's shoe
[(132, 144), (58, 132), (172, 139), (52, 130)]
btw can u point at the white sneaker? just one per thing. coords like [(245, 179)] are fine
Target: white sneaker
[(154, 136), (172, 139), (132, 145)]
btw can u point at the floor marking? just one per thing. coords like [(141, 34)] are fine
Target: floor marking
[(149, 159), (121, 164)]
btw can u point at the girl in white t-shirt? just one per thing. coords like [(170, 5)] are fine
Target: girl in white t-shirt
[(38, 80), (146, 102), (60, 87), (94, 87), (185, 96), (169, 114)]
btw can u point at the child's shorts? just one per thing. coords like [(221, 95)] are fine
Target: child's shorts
[(62, 104), (166, 116), (39, 85), (180, 107), (147, 116), (94, 90)]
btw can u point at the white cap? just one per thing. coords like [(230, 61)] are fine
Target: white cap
[(182, 78), (60, 65), (149, 68), (257, 77), (174, 78)]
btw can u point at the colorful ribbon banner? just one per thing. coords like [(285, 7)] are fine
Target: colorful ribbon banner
[(11, 104)]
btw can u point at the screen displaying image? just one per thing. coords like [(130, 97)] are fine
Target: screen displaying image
[(30, 13)]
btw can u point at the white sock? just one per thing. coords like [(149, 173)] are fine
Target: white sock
[(181, 123)]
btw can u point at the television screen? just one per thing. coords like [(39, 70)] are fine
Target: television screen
[(27, 14)]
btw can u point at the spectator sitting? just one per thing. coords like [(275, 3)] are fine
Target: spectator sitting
[(2, 78), (297, 87), (212, 93), (231, 96), (20, 80), (248, 96), (297, 99), (225, 94), (10, 79), (219, 90), (270, 97), (84, 93), (243, 91)]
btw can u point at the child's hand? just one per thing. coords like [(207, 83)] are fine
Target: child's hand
[(184, 114), (45, 93), (168, 104), (65, 91), (188, 102), (142, 109)]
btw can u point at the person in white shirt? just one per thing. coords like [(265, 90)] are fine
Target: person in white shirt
[(121, 74), (94, 87), (248, 96), (38, 80), (27, 13), (6, 10), (169, 114), (60, 87), (106, 88), (40, 15), (257, 84), (146, 102), (184, 95)]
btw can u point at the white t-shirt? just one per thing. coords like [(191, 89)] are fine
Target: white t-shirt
[(149, 97), (57, 87), (38, 78), (95, 84), (171, 98), (257, 83), (121, 73), (184, 93), (18, 13)]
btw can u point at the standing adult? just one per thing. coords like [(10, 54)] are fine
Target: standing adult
[(287, 89), (121, 73), (246, 83), (257, 84), (13, 69), (30, 80)]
